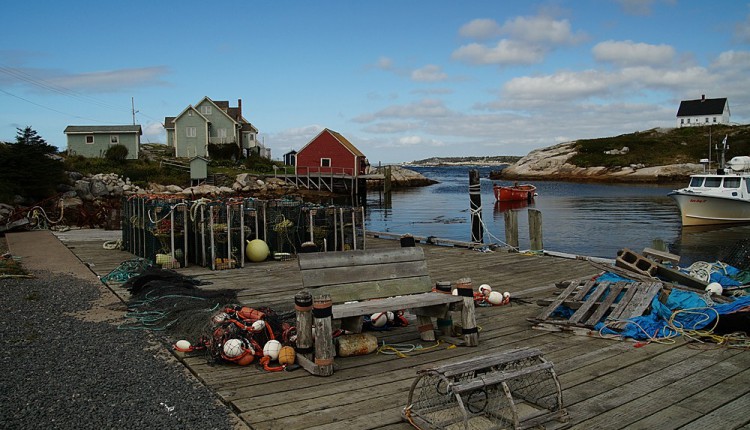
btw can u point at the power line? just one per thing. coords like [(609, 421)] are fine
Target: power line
[(49, 108)]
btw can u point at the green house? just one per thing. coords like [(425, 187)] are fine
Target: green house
[(211, 122), (93, 141)]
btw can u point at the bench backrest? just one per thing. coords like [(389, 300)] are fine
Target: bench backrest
[(365, 274)]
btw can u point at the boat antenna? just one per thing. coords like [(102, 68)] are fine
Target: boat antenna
[(724, 148)]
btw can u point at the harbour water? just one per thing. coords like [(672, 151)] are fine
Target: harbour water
[(578, 218)]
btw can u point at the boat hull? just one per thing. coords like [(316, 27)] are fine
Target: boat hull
[(699, 209), (514, 193)]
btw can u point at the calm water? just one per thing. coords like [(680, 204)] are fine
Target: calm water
[(583, 219)]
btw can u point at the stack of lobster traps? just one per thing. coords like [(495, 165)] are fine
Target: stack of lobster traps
[(174, 232)]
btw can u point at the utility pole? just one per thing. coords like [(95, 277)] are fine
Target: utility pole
[(132, 107)]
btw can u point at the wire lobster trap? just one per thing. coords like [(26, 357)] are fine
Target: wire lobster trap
[(284, 225), (514, 390), (223, 234), (156, 229)]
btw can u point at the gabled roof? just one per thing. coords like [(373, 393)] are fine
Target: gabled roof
[(169, 122), (702, 106), (344, 142), (219, 108), (191, 107), (93, 129)]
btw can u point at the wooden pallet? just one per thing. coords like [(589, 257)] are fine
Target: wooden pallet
[(593, 302)]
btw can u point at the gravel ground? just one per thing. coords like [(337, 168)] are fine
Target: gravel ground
[(64, 366)]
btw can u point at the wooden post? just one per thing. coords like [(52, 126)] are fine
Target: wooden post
[(426, 329), (511, 228), (445, 323), (303, 305), (322, 316), (475, 207), (535, 230), (468, 316)]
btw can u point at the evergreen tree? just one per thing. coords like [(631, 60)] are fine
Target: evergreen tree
[(28, 169)]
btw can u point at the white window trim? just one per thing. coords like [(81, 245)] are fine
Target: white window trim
[(114, 139), (86, 139), (190, 132), (322, 164), (222, 132), (206, 110)]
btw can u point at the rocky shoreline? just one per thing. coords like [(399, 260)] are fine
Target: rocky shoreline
[(551, 163)]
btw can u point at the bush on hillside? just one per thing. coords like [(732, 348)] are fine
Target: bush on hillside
[(116, 153)]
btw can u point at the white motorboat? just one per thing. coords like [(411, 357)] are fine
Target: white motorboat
[(722, 197)]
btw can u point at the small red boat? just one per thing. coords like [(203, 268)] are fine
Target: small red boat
[(514, 192)]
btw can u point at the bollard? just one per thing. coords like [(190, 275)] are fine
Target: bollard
[(322, 316), (468, 316)]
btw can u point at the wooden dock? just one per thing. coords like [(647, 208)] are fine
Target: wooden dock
[(606, 384)]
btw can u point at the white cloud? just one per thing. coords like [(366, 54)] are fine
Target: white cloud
[(429, 73), (481, 28), (112, 80), (629, 53), (528, 40), (384, 63), (742, 31), (425, 108), (154, 132), (504, 53), (542, 29)]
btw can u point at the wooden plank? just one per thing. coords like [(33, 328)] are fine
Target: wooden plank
[(641, 300), (312, 278), (564, 295), (358, 291), (616, 313), (324, 260), (589, 303), (346, 310), (486, 361), (606, 304), (581, 293)]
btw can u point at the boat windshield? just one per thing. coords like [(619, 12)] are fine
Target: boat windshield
[(696, 181), (747, 185), (732, 182), (712, 182)]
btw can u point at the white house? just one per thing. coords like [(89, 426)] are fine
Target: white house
[(703, 111)]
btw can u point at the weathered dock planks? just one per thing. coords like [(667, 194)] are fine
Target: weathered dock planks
[(606, 383)]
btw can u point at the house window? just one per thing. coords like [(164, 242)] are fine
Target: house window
[(706, 120), (190, 131), (190, 113), (325, 162), (206, 110), (114, 139), (682, 120), (714, 120), (90, 139), (222, 133)]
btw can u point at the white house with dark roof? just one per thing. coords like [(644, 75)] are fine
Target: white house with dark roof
[(703, 111), (93, 141), (211, 122)]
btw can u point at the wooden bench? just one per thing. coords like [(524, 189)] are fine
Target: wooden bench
[(365, 282)]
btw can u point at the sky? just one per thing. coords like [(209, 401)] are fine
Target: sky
[(401, 80)]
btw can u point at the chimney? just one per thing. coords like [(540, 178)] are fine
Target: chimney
[(239, 109), (703, 98)]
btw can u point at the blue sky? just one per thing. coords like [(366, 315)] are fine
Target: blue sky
[(402, 80)]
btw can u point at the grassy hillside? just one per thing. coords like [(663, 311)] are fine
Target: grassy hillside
[(660, 147)]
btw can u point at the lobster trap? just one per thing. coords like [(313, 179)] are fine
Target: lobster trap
[(513, 390), (156, 229)]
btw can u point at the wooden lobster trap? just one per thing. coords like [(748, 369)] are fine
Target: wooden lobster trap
[(513, 390)]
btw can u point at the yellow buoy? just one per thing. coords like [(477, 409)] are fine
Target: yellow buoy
[(257, 250)]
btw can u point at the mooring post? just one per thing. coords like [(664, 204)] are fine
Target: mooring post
[(468, 316), (511, 228), (535, 230), (475, 207), (303, 305), (322, 316)]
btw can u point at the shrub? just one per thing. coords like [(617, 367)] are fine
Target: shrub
[(116, 153)]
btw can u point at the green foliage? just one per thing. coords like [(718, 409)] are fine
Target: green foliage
[(657, 148), (257, 164), (29, 170), (223, 152), (140, 172), (116, 153)]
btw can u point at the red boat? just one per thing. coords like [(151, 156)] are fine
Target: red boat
[(514, 192)]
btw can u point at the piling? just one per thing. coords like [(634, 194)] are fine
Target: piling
[(322, 316), (468, 315), (475, 207), (535, 230), (511, 228)]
